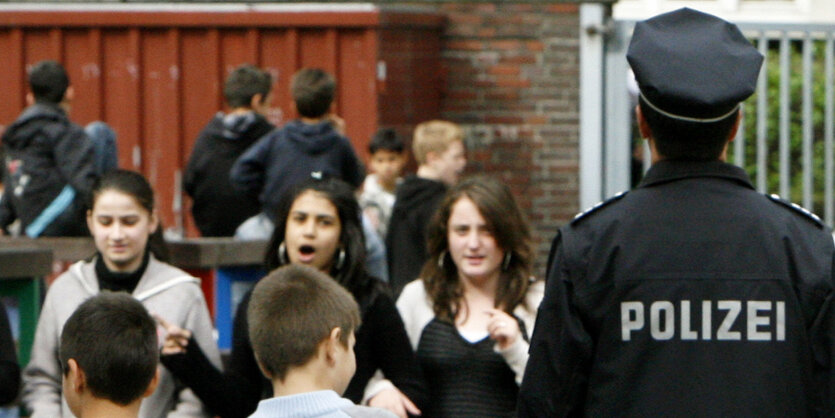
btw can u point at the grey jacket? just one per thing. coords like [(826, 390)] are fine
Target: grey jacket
[(164, 290)]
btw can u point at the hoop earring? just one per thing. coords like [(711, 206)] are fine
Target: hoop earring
[(340, 260), (441, 259), (282, 253), (506, 262)]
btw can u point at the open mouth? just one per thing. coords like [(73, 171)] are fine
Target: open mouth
[(306, 253), (306, 250)]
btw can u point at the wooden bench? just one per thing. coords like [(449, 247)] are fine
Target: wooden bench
[(21, 271), (226, 267)]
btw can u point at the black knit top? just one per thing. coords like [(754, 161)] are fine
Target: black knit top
[(465, 379), (116, 281)]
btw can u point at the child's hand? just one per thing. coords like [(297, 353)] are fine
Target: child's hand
[(503, 328), (176, 338), (395, 401)]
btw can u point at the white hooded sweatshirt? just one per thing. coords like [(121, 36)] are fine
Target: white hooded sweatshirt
[(164, 290)]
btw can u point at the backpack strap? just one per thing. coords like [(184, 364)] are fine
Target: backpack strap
[(55, 208)]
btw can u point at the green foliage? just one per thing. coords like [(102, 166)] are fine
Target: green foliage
[(795, 125)]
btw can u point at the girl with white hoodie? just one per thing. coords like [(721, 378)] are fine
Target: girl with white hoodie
[(125, 228)]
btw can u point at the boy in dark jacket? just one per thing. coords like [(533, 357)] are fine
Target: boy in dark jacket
[(218, 208), (50, 162), (438, 147), (313, 143)]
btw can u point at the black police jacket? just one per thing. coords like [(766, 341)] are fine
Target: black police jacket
[(692, 295)]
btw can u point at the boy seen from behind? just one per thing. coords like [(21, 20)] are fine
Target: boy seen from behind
[(50, 161), (109, 356), (219, 208), (387, 159), (313, 143), (305, 344)]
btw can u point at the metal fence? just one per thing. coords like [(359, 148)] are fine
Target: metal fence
[(786, 141), (803, 141)]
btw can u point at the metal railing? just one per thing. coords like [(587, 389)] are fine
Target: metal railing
[(805, 170)]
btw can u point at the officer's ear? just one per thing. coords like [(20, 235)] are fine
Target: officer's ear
[(643, 126), (646, 133), (735, 128)]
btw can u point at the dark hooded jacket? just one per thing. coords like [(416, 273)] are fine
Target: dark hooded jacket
[(289, 155), (218, 207), (415, 203), (45, 152)]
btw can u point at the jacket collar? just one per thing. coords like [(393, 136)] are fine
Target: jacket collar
[(157, 278), (43, 110), (666, 171)]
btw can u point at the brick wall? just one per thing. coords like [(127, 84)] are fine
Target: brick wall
[(511, 76)]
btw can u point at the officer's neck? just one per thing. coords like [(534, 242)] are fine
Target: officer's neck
[(656, 156)]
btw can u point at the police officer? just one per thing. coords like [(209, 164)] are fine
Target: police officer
[(692, 295)]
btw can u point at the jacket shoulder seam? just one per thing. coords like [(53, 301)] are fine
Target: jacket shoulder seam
[(598, 206), (794, 207)]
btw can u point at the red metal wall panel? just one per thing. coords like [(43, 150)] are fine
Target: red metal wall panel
[(41, 44), (161, 139), (358, 92), (280, 56), (156, 76), (82, 52), (202, 81), (121, 91), (13, 75)]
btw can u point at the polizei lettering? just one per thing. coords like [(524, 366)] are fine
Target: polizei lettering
[(723, 320)]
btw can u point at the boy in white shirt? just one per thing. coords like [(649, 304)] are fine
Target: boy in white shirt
[(305, 344), (109, 356), (388, 156)]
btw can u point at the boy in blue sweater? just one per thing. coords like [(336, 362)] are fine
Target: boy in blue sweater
[(313, 143)]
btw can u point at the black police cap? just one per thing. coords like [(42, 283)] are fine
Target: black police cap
[(693, 66)]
